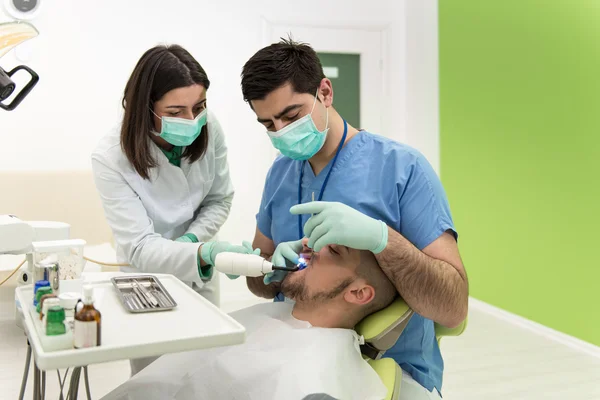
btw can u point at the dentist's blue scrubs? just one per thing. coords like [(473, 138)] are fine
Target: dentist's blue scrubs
[(385, 180)]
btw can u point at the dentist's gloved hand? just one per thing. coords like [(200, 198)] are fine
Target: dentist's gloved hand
[(337, 223), (285, 250)]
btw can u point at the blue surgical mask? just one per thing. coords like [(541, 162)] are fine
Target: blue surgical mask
[(181, 131), (301, 139)]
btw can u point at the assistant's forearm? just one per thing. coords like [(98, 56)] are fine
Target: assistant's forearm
[(154, 254), (431, 287), (209, 220)]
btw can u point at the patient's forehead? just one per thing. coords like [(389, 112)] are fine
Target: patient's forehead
[(339, 256), (348, 257)]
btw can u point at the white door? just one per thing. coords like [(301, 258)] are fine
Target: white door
[(369, 44)]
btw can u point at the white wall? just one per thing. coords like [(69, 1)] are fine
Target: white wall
[(422, 78), (86, 51)]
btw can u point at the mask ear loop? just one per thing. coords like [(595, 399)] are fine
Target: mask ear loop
[(155, 114), (315, 102), (153, 131), (326, 111)]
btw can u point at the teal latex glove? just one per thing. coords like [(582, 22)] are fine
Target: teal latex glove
[(187, 238), (209, 251), (337, 223), (285, 250)]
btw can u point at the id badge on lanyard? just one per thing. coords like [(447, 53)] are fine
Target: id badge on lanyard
[(337, 153)]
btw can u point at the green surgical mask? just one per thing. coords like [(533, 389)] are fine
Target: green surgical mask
[(301, 139), (181, 131)]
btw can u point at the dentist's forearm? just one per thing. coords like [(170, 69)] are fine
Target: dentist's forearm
[(431, 287), (258, 288)]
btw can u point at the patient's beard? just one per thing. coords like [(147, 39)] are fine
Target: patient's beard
[(294, 288), (297, 290)]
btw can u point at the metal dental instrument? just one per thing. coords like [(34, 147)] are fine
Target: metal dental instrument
[(289, 269), (147, 295), (160, 296), (311, 250), (134, 301), (131, 302), (140, 297)]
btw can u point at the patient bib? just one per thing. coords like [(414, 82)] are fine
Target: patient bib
[(282, 358)]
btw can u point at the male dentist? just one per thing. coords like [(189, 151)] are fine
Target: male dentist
[(371, 193)]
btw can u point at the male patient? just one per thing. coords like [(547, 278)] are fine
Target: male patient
[(291, 351)]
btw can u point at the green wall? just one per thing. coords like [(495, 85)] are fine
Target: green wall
[(346, 86), (520, 154)]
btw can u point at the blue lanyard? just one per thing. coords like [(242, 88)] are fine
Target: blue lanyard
[(337, 153)]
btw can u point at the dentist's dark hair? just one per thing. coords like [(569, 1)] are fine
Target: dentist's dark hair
[(160, 70), (279, 64)]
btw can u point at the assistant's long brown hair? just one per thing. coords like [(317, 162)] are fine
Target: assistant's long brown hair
[(160, 70)]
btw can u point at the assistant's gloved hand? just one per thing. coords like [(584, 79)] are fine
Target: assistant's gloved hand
[(285, 250), (187, 238), (337, 223), (209, 251)]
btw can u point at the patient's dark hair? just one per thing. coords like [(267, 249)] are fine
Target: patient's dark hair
[(385, 291), (367, 269)]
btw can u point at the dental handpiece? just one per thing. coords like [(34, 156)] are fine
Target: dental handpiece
[(246, 265)]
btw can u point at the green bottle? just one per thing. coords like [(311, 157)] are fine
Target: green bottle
[(55, 321), (38, 296)]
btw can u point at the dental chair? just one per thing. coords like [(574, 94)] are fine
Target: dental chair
[(381, 330)]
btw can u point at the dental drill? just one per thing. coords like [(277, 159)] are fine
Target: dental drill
[(247, 265)]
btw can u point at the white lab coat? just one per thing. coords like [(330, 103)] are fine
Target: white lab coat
[(146, 215)]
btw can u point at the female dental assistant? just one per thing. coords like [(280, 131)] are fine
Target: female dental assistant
[(163, 177)]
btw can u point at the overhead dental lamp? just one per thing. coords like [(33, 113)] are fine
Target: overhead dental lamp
[(11, 35)]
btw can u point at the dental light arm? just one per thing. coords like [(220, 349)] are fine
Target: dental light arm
[(26, 237), (16, 236), (246, 265), (40, 241), (11, 35)]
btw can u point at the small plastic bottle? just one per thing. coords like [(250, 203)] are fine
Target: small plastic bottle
[(36, 287), (38, 297), (87, 326), (55, 321), (47, 305), (43, 300), (68, 301)]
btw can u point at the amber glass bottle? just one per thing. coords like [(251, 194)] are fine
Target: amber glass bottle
[(88, 322)]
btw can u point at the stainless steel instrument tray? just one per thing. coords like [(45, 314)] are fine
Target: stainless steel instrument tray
[(133, 297)]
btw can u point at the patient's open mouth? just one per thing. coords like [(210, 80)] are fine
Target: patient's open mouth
[(304, 260)]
